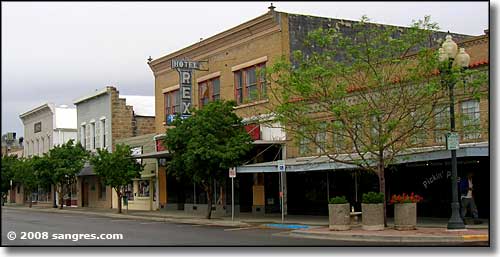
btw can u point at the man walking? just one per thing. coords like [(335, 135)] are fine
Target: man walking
[(466, 191)]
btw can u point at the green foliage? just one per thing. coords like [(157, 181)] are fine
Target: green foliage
[(64, 162), (338, 200), (116, 169), (8, 164), (25, 174), (373, 197), (205, 145)]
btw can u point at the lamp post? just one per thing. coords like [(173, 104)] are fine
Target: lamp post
[(449, 58)]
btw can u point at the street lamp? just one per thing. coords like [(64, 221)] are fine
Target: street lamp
[(449, 58)]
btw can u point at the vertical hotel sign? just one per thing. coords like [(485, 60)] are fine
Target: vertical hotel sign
[(185, 69)]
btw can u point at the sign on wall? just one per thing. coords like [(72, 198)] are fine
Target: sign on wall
[(38, 127), (185, 69)]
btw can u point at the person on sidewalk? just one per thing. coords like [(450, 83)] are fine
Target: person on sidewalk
[(467, 198)]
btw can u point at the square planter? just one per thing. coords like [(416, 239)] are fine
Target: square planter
[(373, 216), (405, 216), (339, 216)]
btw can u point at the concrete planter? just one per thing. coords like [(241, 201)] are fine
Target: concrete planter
[(405, 216), (339, 216), (372, 216)]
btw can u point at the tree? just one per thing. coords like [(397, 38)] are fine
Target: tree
[(25, 174), (205, 145), (365, 98), (8, 163), (64, 163), (116, 169)]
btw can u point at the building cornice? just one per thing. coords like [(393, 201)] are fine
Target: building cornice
[(39, 108), (228, 37), (98, 93)]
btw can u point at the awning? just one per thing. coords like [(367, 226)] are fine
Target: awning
[(322, 163), (162, 154), (87, 170)]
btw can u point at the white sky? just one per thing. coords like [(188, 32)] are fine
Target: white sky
[(57, 52)]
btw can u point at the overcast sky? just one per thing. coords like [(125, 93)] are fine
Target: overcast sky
[(57, 52)]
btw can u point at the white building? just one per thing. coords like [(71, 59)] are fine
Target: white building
[(46, 126)]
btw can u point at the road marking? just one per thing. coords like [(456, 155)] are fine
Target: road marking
[(97, 218), (234, 229), (121, 220), (147, 223), (475, 237), (197, 225)]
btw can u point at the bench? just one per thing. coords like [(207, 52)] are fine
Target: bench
[(355, 217)]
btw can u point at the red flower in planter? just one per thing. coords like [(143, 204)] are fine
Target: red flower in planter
[(404, 198)]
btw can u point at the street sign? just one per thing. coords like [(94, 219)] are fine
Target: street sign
[(452, 142), (232, 172), (171, 118), (281, 166)]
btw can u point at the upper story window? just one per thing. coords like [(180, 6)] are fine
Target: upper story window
[(93, 135), (83, 136), (172, 105), (250, 84), (209, 90), (103, 133), (442, 123), (471, 122)]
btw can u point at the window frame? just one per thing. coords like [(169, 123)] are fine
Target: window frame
[(209, 85), (473, 122), (242, 84), (171, 103)]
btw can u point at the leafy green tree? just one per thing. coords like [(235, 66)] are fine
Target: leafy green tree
[(8, 163), (64, 163), (364, 98), (25, 174), (116, 169), (205, 145)]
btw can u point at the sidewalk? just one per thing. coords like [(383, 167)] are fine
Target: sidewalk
[(429, 230)]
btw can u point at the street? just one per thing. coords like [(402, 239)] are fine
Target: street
[(51, 226)]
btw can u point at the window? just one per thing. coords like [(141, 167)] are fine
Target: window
[(82, 136), (442, 123), (102, 190), (250, 84), (103, 133), (419, 135), (172, 105), (321, 138), (93, 135), (303, 142), (209, 90), (471, 121), (129, 192), (337, 138), (143, 188)]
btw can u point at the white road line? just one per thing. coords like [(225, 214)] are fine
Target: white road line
[(196, 225), (147, 223), (121, 220), (234, 229)]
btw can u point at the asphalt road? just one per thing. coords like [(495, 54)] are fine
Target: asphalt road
[(51, 226)]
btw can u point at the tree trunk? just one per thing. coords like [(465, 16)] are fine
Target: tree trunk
[(208, 189), (61, 195), (30, 199), (119, 194), (381, 180)]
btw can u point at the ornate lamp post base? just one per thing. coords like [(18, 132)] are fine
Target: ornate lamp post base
[(455, 221)]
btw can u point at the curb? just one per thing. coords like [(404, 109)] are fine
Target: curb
[(390, 238), (136, 217)]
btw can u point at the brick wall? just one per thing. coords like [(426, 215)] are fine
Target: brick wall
[(144, 125), (122, 116)]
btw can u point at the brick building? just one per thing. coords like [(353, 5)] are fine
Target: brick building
[(103, 118), (231, 62)]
